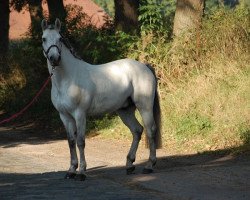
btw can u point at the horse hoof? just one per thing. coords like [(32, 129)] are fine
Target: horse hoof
[(147, 171), (130, 170), (80, 177), (70, 175)]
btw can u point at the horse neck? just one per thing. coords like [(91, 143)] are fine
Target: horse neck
[(67, 69)]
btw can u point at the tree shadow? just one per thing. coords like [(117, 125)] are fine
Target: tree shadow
[(30, 132), (210, 175), (218, 174), (27, 133)]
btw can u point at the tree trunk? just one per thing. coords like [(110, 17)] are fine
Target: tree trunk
[(126, 15), (56, 10), (36, 16), (188, 15), (4, 30)]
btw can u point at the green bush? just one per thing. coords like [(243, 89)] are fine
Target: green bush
[(156, 16)]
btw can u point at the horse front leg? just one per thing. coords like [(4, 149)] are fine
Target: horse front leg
[(70, 126), (81, 128)]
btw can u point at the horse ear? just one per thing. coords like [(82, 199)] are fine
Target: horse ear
[(58, 24), (44, 24)]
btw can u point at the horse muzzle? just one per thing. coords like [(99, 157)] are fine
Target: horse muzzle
[(55, 61), (54, 55)]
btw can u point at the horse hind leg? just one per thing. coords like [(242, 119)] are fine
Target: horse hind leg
[(127, 115), (150, 126)]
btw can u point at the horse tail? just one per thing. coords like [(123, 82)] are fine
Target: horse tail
[(156, 113), (157, 118)]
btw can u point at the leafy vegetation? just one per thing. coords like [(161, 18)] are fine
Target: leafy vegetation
[(156, 16)]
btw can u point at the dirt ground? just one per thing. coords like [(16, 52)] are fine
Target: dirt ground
[(33, 164)]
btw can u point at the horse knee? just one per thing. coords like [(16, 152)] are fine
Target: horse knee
[(80, 142), (71, 142), (151, 132), (137, 133)]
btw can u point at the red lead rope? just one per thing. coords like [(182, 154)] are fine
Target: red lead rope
[(30, 103)]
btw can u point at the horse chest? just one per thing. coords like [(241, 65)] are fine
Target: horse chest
[(66, 100)]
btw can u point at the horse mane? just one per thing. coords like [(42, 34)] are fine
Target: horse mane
[(68, 45)]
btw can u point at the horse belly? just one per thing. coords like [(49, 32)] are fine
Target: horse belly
[(107, 104)]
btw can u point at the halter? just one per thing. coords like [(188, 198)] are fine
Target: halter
[(47, 52)]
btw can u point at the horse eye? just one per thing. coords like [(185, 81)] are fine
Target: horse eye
[(44, 39), (60, 39)]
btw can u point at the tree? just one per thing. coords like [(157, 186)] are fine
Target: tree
[(4, 30), (56, 10), (126, 15), (36, 16), (188, 15)]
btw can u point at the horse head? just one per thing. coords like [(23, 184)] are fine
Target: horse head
[(52, 42)]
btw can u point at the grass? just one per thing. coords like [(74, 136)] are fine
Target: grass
[(210, 108)]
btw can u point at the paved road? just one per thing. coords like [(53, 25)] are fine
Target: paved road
[(32, 166)]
